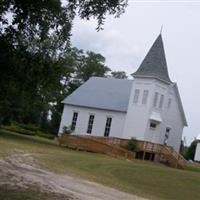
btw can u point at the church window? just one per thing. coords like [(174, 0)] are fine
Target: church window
[(161, 101), (166, 135), (153, 125), (155, 99), (108, 126), (168, 130), (90, 124), (145, 96), (169, 103), (74, 120), (136, 96)]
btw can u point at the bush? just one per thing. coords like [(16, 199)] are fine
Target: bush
[(29, 127), (18, 129), (45, 135), (132, 144), (67, 130), (27, 130)]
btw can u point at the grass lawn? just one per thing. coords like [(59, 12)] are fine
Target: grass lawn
[(145, 179), (34, 193)]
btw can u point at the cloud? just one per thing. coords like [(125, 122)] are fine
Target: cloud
[(120, 52)]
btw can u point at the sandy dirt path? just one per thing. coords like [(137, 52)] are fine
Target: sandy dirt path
[(22, 168)]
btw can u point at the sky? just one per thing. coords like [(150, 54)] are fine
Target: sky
[(125, 41)]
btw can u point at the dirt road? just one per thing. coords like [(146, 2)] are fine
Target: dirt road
[(23, 170)]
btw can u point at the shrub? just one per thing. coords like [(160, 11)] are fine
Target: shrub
[(36, 132), (132, 144), (67, 130), (45, 135), (17, 129), (29, 127)]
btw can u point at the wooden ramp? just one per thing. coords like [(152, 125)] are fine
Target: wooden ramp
[(163, 153), (92, 144), (117, 147)]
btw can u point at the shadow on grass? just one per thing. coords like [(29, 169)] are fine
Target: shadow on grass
[(4, 134), (30, 192)]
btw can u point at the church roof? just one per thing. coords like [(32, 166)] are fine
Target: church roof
[(102, 93), (154, 64)]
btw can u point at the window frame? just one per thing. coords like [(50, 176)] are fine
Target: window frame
[(108, 126), (136, 96), (74, 120), (167, 133), (145, 97), (155, 100), (154, 125), (161, 101), (169, 103), (90, 123), (168, 130)]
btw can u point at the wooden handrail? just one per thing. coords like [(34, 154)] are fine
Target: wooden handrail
[(92, 144), (115, 146), (167, 151), (179, 158)]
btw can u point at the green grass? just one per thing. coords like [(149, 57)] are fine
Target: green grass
[(146, 179)]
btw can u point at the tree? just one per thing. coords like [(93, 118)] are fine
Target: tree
[(32, 18), (119, 74), (92, 65), (183, 149), (38, 66), (191, 150)]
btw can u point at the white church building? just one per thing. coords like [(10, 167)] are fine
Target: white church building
[(147, 108), (197, 151)]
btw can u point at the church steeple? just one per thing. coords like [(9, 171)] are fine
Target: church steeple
[(154, 64)]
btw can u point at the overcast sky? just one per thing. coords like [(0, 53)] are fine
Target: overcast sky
[(125, 41)]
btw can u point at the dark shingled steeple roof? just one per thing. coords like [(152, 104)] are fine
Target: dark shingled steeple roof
[(154, 64)]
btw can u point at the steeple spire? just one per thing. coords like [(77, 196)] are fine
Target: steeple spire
[(154, 64), (161, 29)]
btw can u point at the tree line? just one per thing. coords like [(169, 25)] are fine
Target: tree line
[(188, 152)]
